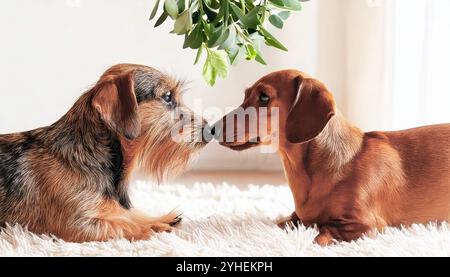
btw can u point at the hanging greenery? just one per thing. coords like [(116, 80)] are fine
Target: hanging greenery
[(225, 29)]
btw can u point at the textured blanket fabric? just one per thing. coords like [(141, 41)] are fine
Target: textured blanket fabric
[(225, 220)]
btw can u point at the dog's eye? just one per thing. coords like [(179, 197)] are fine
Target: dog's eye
[(263, 98), (167, 97)]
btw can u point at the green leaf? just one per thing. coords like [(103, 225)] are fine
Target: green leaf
[(271, 40), (213, 36), (260, 59), (226, 14), (247, 21), (171, 7), (237, 11), (161, 19), (284, 14), (183, 23), (199, 54), (276, 21), (221, 13), (232, 54), (251, 52), (242, 35), (215, 66), (250, 4), (155, 9), (255, 11), (278, 3), (195, 39), (257, 39), (210, 13), (181, 4), (293, 5), (228, 38), (224, 36), (214, 4)]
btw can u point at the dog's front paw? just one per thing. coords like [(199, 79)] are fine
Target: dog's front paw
[(175, 221), (161, 227), (325, 238), (291, 222), (167, 222)]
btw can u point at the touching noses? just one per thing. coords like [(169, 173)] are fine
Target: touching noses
[(210, 132)]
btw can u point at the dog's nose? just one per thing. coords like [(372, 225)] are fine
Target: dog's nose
[(216, 131), (210, 133), (207, 133), (213, 131)]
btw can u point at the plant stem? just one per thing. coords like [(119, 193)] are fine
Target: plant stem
[(225, 18), (200, 6)]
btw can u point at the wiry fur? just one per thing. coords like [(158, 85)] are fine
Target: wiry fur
[(71, 178), (157, 152)]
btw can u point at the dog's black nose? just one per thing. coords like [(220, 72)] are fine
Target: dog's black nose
[(210, 133), (216, 130), (207, 133), (213, 131)]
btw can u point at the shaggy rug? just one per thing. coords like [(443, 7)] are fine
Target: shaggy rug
[(225, 220)]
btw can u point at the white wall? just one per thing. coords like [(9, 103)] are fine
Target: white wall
[(365, 60), (421, 63), (53, 50)]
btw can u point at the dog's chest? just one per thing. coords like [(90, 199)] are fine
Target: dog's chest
[(313, 202), (317, 198)]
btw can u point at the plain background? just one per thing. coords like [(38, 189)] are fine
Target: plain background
[(51, 51)]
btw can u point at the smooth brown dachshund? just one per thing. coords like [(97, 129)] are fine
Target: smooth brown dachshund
[(343, 180)]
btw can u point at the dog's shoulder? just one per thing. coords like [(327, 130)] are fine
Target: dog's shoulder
[(376, 135)]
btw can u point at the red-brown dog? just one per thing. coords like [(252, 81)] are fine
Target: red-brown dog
[(346, 181)]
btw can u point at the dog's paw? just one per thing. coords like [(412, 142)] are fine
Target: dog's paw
[(167, 223), (176, 220), (325, 238), (161, 227), (173, 218), (289, 222)]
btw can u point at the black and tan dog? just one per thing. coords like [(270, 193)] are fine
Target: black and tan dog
[(71, 179)]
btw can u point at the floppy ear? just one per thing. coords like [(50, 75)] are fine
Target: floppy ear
[(313, 107), (116, 102)]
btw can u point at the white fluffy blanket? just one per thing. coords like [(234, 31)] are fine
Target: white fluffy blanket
[(224, 220)]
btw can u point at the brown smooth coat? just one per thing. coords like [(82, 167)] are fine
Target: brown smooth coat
[(343, 180)]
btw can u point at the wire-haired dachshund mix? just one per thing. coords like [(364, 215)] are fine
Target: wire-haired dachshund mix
[(343, 180), (71, 179)]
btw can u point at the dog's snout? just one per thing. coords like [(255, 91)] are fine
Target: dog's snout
[(216, 130)]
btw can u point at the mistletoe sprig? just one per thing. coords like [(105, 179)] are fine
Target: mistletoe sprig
[(226, 29)]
